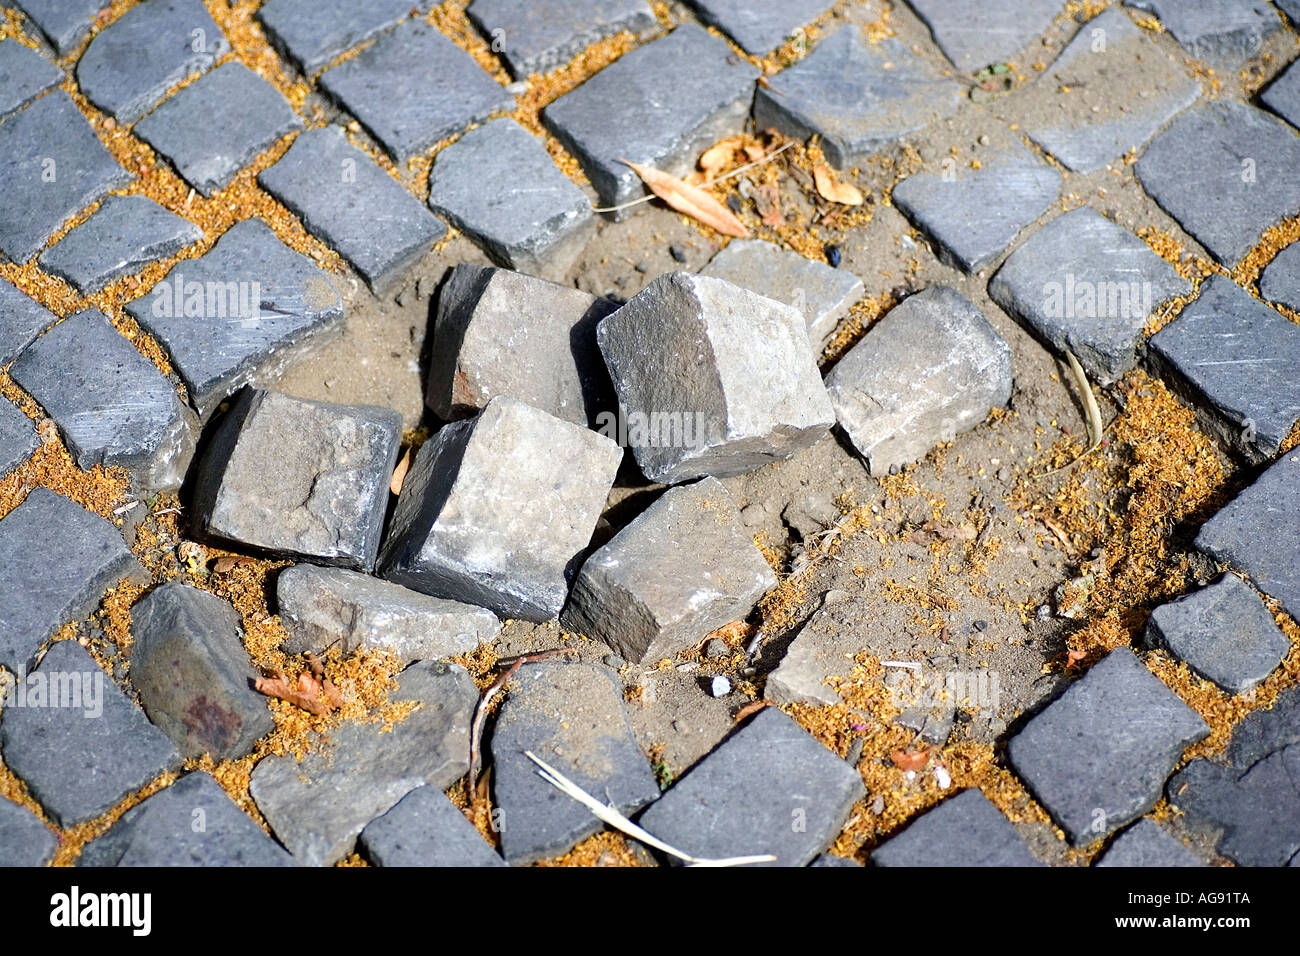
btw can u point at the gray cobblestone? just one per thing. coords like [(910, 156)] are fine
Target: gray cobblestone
[(18, 439), (974, 34), (26, 840), (760, 26), (1282, 96), (21, 320), (314, 32), (536, 36), (24, 75), (426, 829), (1145, 844), (1280, 282), (65, 23), (1226, 32), (965, 830)]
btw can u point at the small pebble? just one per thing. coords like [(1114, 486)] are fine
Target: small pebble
[(677, 252), (833, 256), (720, 687)]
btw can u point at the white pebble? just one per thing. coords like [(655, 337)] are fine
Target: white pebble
[(721, 686)]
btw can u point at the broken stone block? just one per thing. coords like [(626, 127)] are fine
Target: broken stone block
[(1225, 32), (683, 568), (1264, 731), (333, 607), (1282, 96), (482, 349), (426, 829), (65, 23), (18, 439), (26, 840), (933, 368), (974, 34), (24, 75), (313, 32), (571, 716), (712, 379), (21, 320), (1144, 844), (497, 510), (963, 831), (760, 26), (536, 36), (1280, 282), (299, 478)]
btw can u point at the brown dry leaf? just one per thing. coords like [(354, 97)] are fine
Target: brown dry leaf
[(224, 565), (768, 199), (910, 761), (719, 156), (690, 200), (305, 694), (832, 190), (399, 473), (753, 707)]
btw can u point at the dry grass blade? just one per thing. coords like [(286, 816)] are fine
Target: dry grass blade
[(690, 200), (1095, 427)]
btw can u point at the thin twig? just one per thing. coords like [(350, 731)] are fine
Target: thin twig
[(712, 182), (1096, 429)]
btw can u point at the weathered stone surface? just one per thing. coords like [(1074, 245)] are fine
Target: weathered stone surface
[(426, 829), (54, 167), (24, 75), (129, 67), (314, 32), (536, 36), (683, 568), (734, 370), (1291, 8), (299, 478), (318, 806), (741, 799), (661, 105), (760, 26), (1226, 172), (845, 92), (65, 23), (1144, 844), (974, 34), (496, 510), (1098, 756), (125, 234), (193, 675), (475, 181), (1237, 358), (1263, 732), (932, 368), (77, 741), (482, 349), (286, 306), (1225, 32), (344, 198), (1282, 96), (824, 295), (1084, 284), (414, 87), (218, 124), (21, 320), (191, 823), (332, 607), (25, 840), (572, 717), (18, 438), (1257, 533), (1280, 282), (830, 859), (965, 830), (112, 405)]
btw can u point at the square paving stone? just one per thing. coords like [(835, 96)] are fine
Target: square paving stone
[(1225, 32), (129, 66), (974, 34), (112, 405), (684, 568), (972, 215), (18, 440), (1280, 282), (1084, 284), (218, 124), (26, 841), (314, 32), (1282, 96), (426, 829), (65, 23), (659, 105), (1226, 172), (24, 75), (56, 561), (538, 228), (76, 740), (414, 87), (300, 479), (1291, 8), (769, 788), (21, 320), (1238, 359), (1098, 756), (1145, 844), (54, 167), (536, 36), (124, 235), (760, 26), (963, 831), (856, 96), (240, 314), (497, 510), (345, 199)]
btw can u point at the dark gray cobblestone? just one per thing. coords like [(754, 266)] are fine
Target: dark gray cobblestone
[(426, 829), (25, 839), (536, 36), (314, 32), (1147, 844), (18, 439), (24, 75), (760, 26), (1280, 282), (21, 320), (966, 830), (65, 23)]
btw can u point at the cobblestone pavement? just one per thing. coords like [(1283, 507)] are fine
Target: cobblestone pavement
[(363, 431)]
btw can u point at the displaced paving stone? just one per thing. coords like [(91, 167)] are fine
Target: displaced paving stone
[(21, 320), (194, 678), (76, 740), (426, 829), (474, 184), (112, 405), (299, 478), (129, 67), (824, 295), (683, 568), (1238, 358), (239, 315), (362, 212), (721, 381), (314, 32), (24, 75), (65, 23), (1282, 96), (974, 34), (741, 798), (1226, 172), (1083, 284), (1280, 282), (496, 510), (26, 840), (162, 831), (332, 607), (1092, 128), (414, 87), (661, 105), (760, 26), (933, 368), (217, 125), (1098, 756), (536, 36), (1144, 844), (482, 350), (571, 716), (18, 439), (857, 97), (1257, 533), (319, 805), (55, 166), (125, 234), (963, 831), (1223, 31)]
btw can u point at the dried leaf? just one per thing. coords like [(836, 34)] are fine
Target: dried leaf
[(768, 199), (753, 707), (719, 156), (224, 565), (910, 761), (832, 190), (306, 693), (690, 200), (399, 473)]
